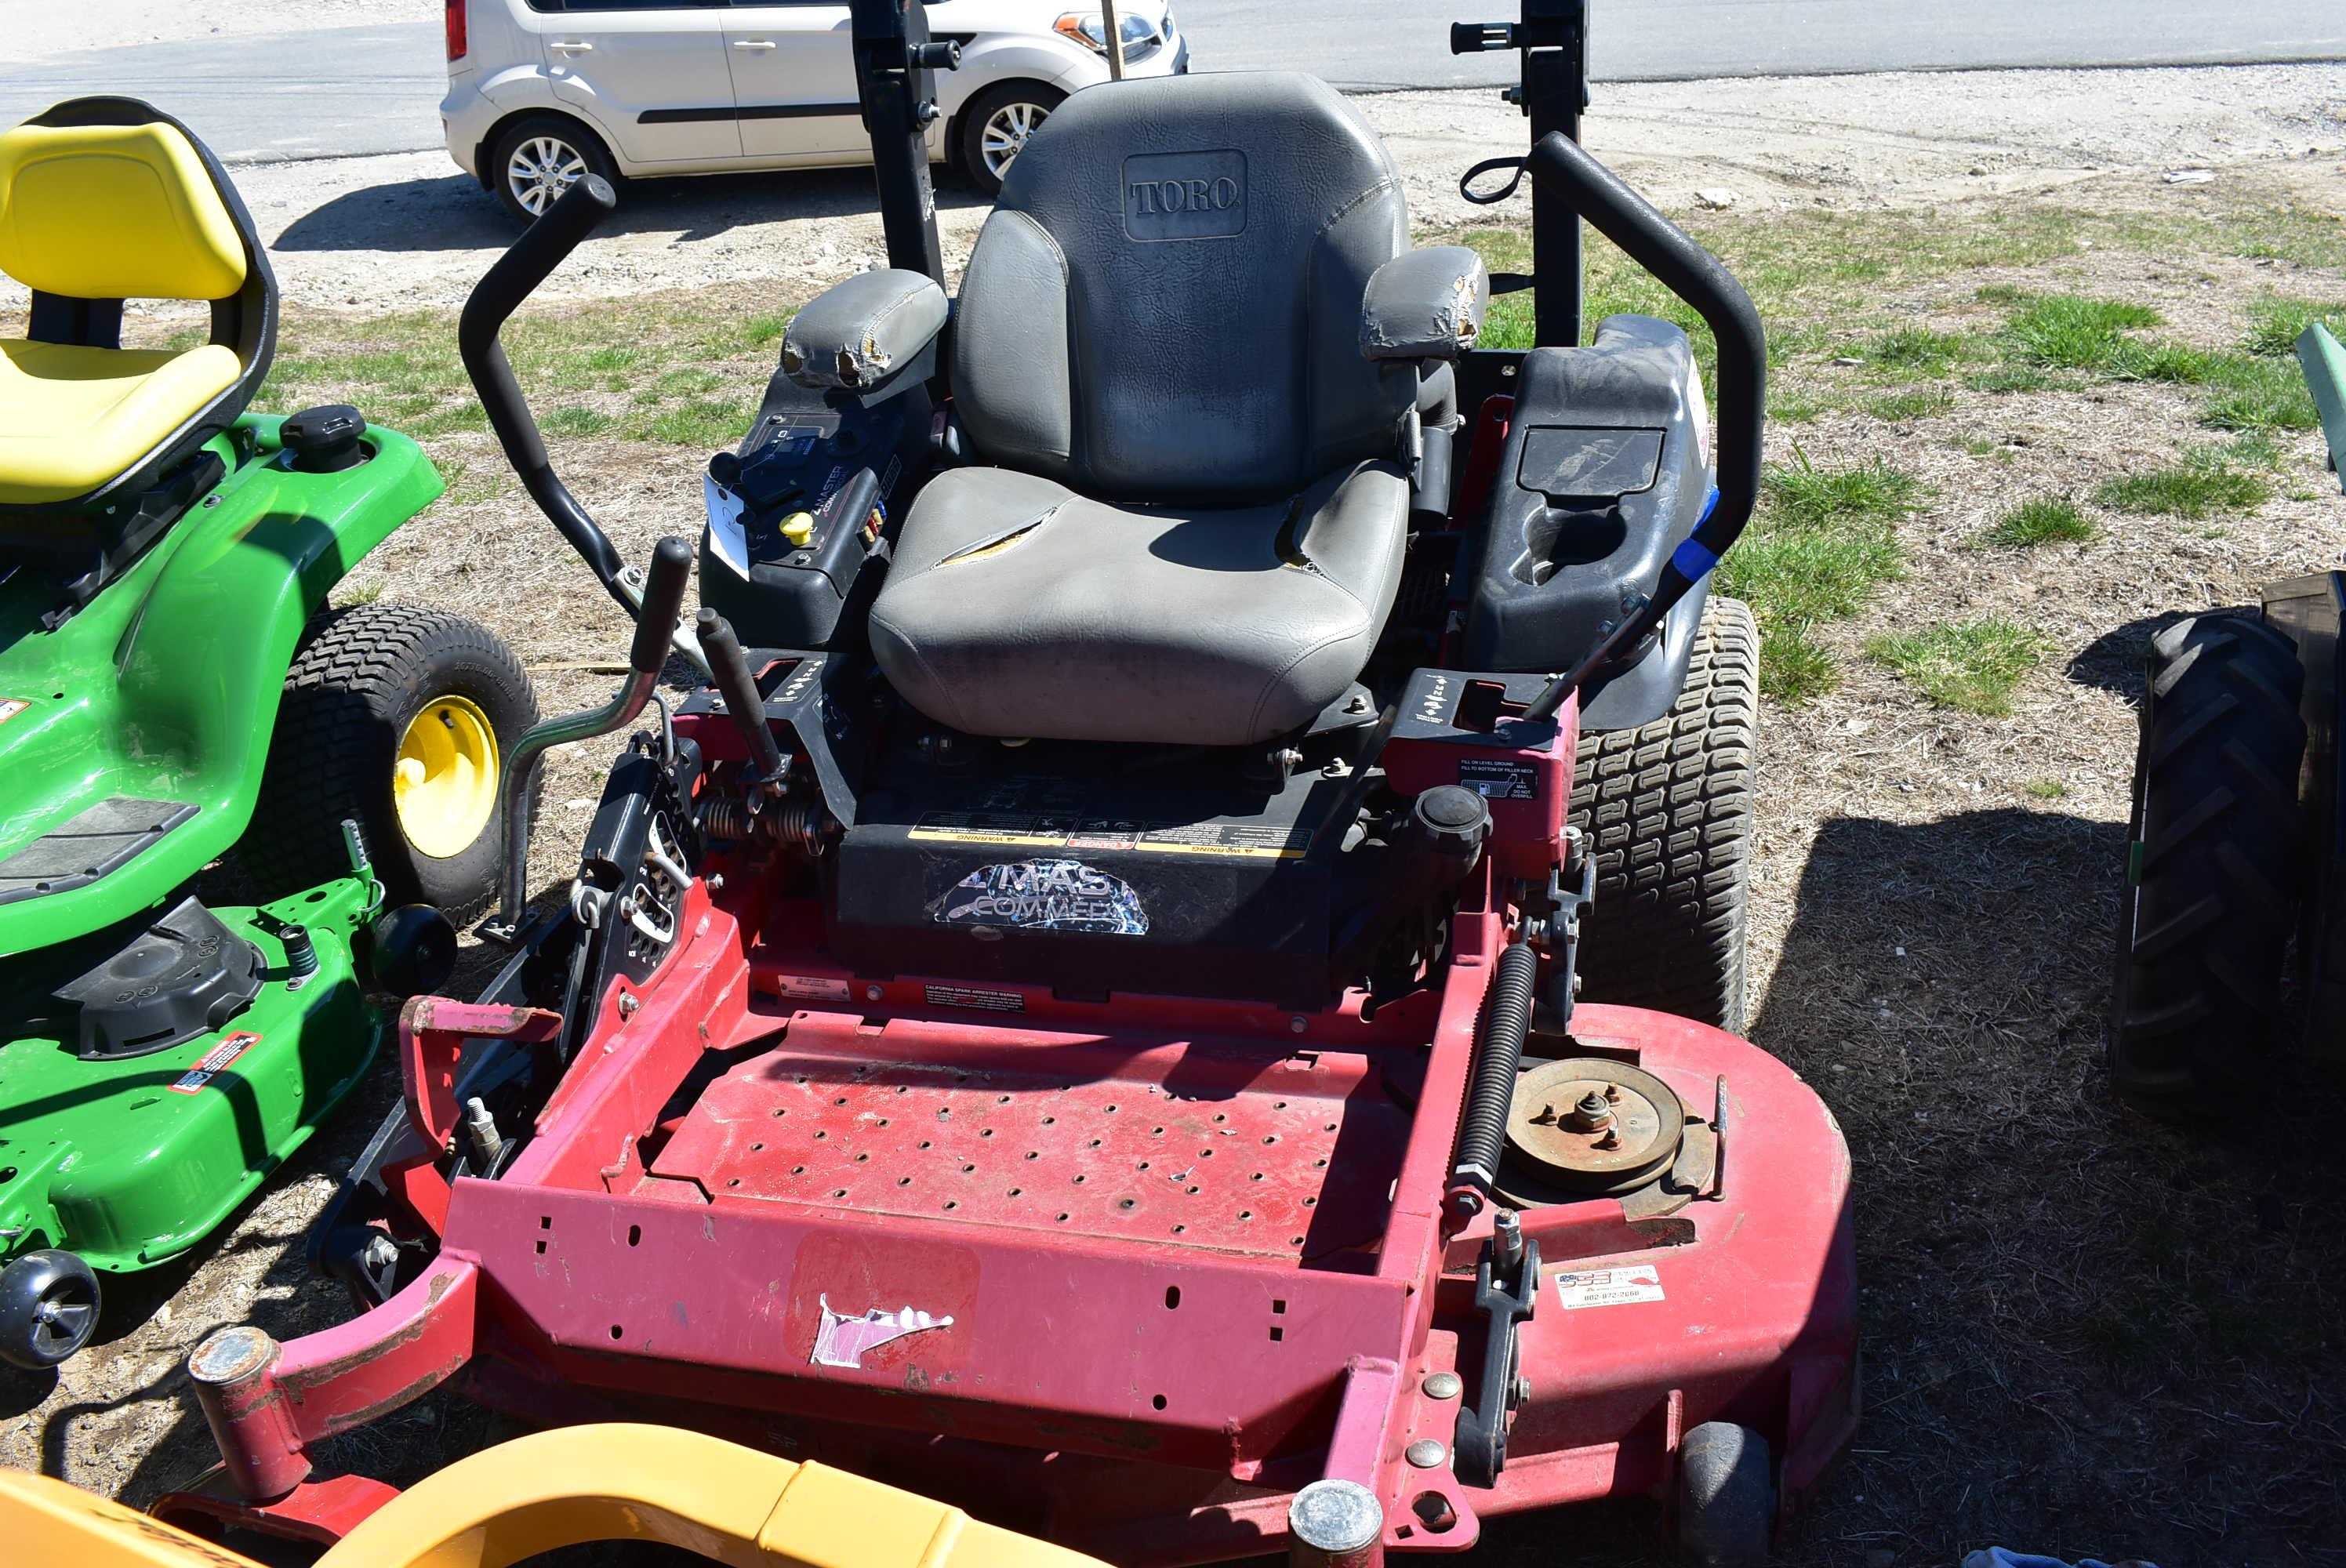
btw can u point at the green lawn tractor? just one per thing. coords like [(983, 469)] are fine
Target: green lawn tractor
[(2236, 856), (173, 691)]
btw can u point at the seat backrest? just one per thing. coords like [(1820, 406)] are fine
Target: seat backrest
[(114, 213), (1165, 303)]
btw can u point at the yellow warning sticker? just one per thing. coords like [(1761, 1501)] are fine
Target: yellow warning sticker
[(1239, 840)]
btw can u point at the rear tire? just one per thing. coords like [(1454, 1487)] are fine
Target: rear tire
[(2205, 917), (362, 678), (535, 159), (1666, 810)]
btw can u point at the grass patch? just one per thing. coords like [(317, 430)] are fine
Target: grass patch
[(1824, 539), (2070, 332), (2246, 392), (2204, 484), (2045, 789), (2048, 520), (2011, 378), (1970, 666), (1909, 404), (2275, 323), (688, 368), (1916, 351)]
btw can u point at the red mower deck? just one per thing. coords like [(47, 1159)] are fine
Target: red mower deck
[(1155, 1239)]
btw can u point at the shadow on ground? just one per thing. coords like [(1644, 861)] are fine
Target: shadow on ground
[(452, 212), (2083, 1333)]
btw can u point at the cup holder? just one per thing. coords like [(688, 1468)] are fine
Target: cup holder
[(1569, 536)]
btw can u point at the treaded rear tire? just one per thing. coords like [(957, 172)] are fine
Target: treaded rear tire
[(2208, 904), (1666, 810), (361, 674)]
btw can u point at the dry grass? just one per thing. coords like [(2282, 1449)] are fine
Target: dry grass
[(2083, 1333)]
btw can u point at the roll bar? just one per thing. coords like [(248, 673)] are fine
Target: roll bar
[(1560, 168)]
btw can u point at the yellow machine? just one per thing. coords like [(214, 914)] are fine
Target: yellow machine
[(608, 1482)]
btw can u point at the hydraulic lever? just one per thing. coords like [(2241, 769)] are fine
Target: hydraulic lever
[(729, 666)]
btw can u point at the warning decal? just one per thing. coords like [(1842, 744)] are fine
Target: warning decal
[(1497, 778), (10, 707), (1609, 1287), (212, 1062), (973, 996)]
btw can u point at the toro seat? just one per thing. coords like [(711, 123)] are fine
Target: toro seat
[(102, 201), (1190, 393)]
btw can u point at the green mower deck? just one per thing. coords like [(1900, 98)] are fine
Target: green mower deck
[(131, 1162)]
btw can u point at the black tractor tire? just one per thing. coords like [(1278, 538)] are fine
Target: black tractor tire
[(985, 169), (1725, 1497), (48, 1308), (2208, 903), (561, 147), (1666, 809), (359, 679)]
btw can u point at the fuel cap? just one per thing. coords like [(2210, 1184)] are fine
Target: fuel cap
[(324, 440)]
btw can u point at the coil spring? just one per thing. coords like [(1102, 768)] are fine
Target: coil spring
[(800, 825)]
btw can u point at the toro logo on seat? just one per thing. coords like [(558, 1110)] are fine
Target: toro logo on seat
[(1185, 195)]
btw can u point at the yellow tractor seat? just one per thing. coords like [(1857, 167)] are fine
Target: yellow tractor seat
[(105, 199), (72, 418)]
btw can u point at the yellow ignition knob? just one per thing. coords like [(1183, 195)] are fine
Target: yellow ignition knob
[(799, 529)]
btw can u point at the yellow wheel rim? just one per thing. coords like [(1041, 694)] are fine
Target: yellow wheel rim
[(444, 784)]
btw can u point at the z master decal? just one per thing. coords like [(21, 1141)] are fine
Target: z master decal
[(1044, 895)]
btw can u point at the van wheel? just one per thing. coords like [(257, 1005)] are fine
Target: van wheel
[(996, 125), (539, 158)]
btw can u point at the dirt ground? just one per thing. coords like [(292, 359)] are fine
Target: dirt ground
[(2083, 1333)]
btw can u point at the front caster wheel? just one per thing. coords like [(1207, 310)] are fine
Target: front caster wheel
[(1727, 1497), (48, 1308)]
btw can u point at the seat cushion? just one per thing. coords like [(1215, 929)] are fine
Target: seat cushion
[(1017, 607), (72, 418)]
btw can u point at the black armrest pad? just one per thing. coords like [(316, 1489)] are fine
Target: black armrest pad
[(854, 334), (1424, 304)]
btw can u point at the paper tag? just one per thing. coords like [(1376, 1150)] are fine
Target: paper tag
[(814, 987), (1609, 1287), (727, 539)]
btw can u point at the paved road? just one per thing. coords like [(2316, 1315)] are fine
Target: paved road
[(1406, 43), (341, 91)]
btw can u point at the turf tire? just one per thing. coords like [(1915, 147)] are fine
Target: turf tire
[(359, 677), (2208, 903), (1666, 809)]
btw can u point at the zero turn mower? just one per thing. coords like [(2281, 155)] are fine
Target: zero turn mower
[(174, 688), (1080, 1017)]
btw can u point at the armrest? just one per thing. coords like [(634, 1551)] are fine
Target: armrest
[(859, 334), (1424, 304)]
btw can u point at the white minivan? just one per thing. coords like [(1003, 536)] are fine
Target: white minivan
[(542, 91)]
